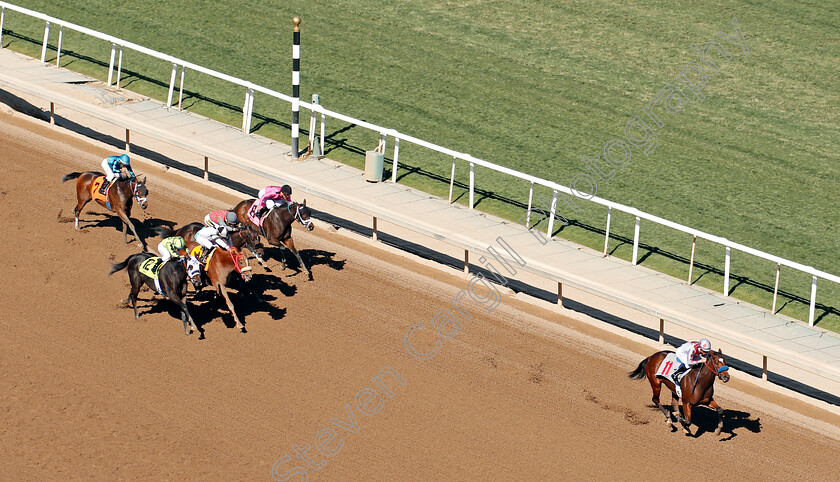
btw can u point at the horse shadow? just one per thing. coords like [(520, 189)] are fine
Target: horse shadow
[(706, 420), (247, 298), (110, 220), (312, 257)]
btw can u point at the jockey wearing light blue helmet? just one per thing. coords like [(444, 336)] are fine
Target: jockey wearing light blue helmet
[(114, 164)]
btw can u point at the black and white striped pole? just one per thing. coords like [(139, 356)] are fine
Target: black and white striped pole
[(295, 87)]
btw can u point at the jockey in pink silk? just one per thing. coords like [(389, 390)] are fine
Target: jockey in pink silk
[(268, 197)]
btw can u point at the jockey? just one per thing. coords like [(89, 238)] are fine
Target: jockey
[(222, 218), (690, 354), (113, 166), (270, 196), (217, 234), (173, 246)]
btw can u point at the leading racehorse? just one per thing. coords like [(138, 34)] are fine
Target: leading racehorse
[(121, 195), (697, 386), (223, 265), (173, 282), (277, 226)]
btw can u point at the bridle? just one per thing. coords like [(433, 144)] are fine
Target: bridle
[(709, 363), (141, 200), (307, 223), (245, 233)]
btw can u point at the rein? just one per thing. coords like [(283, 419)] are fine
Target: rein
[(707, 364)]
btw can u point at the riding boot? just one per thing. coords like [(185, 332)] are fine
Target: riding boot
[(202, 256), (676, 377), (104, 187)]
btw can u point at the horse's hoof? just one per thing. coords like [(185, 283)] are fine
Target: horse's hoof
[(717, 432)]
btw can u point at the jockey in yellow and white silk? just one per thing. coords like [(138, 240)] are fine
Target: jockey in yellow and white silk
[(173, 246)]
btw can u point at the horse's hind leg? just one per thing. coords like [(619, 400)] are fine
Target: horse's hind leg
[(656, 386), (78, 210), (185, 317), (290, 244)]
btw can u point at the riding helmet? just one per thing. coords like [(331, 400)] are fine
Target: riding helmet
[(124, 159), (286, 189), (705, 345), (230, 218)]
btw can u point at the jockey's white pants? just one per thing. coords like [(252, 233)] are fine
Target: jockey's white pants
[(165, 255), (109, 174), (210, 239)]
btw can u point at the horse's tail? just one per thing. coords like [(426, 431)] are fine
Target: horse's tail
[(119, 266), (639, 372), (163, 231), (72, 175)]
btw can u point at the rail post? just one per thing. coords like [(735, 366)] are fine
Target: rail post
[(181, 88), (2, 21), (44, 46), (111, 63), (295, 87), (726, 271), (530, 204), (636, 240), (396, 159), (550, 229), (662, 331), (607, 231), (172, 77), (813, 300), (452, 179), (58, 49), (472, 184), (691, 263), (776, 287), (119, 68)]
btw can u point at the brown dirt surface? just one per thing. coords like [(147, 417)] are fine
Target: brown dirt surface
[(520, 393)]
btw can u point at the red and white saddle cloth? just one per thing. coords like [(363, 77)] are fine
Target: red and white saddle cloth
[(667, 367)]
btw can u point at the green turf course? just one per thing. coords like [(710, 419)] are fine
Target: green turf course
[(535, 86)]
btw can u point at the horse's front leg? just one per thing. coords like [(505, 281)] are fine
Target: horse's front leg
[(713, 404), (128, 224), (686, 419), (223, 291), (290, 244)]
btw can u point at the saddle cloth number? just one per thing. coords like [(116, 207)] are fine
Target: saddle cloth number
[(151, 267), (94, 190), (668, 365)]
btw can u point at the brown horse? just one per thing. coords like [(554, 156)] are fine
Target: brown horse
[(697, 386), (223, 266), (173, 282), (277, 226), (121, 195)]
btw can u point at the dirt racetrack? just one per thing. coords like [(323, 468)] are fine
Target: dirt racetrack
[(519, 393)]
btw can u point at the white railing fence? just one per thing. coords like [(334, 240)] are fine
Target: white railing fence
[(250, 89)]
